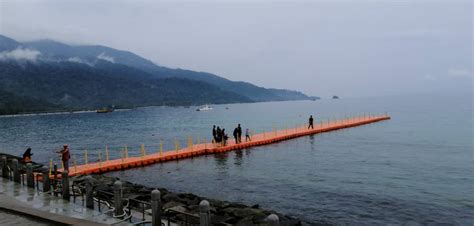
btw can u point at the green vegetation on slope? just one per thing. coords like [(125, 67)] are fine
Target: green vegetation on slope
[(13, 104), (74, 86)]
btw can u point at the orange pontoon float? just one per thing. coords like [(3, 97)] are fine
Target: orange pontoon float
[(209, 148)]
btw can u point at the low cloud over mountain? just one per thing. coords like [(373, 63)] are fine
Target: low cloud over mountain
[(20, 54)]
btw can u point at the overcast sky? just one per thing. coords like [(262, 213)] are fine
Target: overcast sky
[(325, 48)]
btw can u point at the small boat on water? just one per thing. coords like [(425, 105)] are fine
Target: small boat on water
[(204, 108), (105, 110), (335, 97)]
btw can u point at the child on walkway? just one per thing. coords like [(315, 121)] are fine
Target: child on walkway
[(247, 135)]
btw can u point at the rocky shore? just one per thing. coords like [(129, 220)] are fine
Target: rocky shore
[(222, 212)]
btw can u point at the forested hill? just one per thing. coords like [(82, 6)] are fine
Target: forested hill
[(47, 75), (13, 104), (73, 86)]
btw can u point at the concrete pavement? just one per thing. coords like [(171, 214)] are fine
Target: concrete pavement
[(32, 203)]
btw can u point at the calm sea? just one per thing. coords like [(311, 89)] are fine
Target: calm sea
[(419, 166)]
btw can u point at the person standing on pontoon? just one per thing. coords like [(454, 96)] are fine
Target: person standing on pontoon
[(311, 120), (65, 156), (247, 135)]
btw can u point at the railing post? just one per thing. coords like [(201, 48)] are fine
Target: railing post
[(86, 159), (4, 167), (272, 220), (65, 184), (46, 181), (204, 213), (89, 193), (30, 179), (16, 171), (55, 182), (161, 147), (99, 155), (126, 151), (142, 151), (50, 166), (106, 153), (156, 207), (123, 155), (118, 198)]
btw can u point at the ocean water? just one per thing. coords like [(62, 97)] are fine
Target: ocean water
[(418, 166)]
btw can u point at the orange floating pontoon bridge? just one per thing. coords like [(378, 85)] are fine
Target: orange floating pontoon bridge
[(204, 148)]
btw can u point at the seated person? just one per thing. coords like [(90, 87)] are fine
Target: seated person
[(27, 156)]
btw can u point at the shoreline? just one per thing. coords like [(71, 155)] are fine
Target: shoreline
[(65, 112), (55, 113)]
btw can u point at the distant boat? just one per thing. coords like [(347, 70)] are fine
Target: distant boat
[(335, 97), (204, 108), (105, 110)]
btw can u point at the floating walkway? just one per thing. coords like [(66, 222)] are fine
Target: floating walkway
[(193, 150)]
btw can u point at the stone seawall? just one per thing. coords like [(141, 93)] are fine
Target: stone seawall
[(222, 212)]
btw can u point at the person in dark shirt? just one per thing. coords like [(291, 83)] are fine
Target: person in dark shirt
[(218, 135), (236, 135), (239, 133), (311, 122)]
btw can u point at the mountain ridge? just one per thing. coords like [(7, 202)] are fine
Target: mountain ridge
[(49, 65)]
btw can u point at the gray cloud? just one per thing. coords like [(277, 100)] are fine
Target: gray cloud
[(459, 73), (345, 48)]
